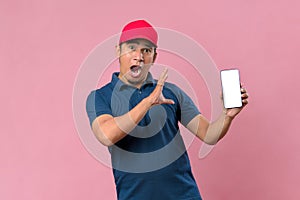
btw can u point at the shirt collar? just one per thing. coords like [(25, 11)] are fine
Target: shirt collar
[(116, 82)]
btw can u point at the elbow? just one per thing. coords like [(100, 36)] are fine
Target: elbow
[(100, 134), (106, 144), (210, 142), (211, 139), (102, 138), (208, 139)]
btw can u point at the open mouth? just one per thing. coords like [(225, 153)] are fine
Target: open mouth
[(135, 71)]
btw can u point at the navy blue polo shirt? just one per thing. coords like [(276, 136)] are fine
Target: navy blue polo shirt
[(151, 162)]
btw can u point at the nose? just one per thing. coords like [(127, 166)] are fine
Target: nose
[(139, 55)]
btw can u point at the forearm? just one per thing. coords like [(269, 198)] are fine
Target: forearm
[(217, 129), (110, 130), (210, 132)]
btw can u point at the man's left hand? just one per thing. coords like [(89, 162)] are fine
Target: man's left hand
[(232, 112)]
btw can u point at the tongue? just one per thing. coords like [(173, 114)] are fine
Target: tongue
[(135, 68)]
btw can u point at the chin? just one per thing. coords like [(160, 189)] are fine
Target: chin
[(138, 80)]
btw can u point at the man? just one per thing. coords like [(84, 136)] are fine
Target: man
[(137, 118)]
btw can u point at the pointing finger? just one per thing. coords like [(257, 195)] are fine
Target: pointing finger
[(163, 77)]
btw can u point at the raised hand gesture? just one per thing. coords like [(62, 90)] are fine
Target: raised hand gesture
[(157, 97)]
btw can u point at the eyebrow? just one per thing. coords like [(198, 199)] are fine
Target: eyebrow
[(136, 42)]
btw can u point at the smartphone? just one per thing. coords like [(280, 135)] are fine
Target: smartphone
[(231, 87)]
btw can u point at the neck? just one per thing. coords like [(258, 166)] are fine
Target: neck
[(136, 85)]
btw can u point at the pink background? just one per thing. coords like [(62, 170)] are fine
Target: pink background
[(43, 43)]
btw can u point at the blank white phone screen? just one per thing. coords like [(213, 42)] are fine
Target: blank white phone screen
[(230, 80)]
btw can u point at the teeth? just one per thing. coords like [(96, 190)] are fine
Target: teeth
[(137, 72)]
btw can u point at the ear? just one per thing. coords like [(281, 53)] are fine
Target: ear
[(154, 57), (118, 51)]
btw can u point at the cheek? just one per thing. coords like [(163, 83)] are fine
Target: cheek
[(124, 64), (125, 59), (149, 60)]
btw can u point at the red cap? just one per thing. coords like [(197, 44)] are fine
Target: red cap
[(139, 29)]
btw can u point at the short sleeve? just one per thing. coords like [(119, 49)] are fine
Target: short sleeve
[(97, 104), (187, 109)]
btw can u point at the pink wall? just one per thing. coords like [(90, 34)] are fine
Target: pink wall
[(43, 43)]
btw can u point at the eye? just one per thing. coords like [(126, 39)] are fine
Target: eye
[(131, 47), (147, 50)]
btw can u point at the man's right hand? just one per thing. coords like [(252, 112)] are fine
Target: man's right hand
[(157, 97)]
